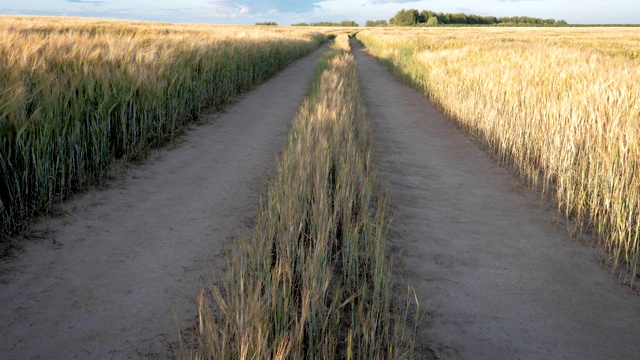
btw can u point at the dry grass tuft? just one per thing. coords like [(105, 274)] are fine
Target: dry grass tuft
[(313, 281)]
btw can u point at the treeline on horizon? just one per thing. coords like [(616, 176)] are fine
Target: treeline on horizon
[(413, 17), (345, 23)]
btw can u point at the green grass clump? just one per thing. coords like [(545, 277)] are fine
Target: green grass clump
[(313, 282)]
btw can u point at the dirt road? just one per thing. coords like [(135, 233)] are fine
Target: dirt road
[(128, 257), (501, 280)]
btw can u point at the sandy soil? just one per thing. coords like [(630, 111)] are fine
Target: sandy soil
[(107, 279), (499, 274)]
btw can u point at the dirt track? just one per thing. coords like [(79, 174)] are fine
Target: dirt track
[(501, 280), (125, 258)]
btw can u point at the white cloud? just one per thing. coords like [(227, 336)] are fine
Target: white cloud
[(226, 9)]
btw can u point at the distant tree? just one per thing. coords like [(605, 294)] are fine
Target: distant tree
[(301, 24), (459, 18), (374, 23), (267, 23), (349, 23), (405, 18), (425, 15), (433, 21), (446, 18)]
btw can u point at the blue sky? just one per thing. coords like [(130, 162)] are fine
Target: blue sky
[(286, 12)]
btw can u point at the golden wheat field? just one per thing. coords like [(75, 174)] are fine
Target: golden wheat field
[(559, 105), (313, 279), (75, 94)]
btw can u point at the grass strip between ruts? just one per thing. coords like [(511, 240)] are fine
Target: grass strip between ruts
[(313, 281)]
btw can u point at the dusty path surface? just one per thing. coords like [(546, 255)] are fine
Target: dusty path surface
[(130, 256), (500, 282)]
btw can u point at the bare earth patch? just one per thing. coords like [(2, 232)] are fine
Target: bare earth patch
[(112, 270), (501, 280)]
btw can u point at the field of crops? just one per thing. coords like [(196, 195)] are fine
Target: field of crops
[(76, 94), (558, 105)]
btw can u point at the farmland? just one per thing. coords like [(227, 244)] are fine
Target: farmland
[(282, 199), (559, 106), (76, 94)]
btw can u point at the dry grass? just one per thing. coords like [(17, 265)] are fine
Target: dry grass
[(313, 281), (75, 94), (559, 105)]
